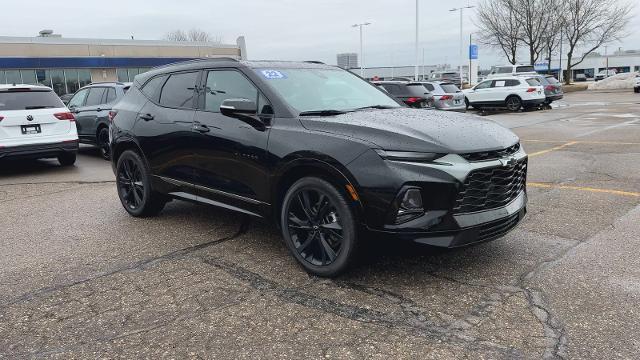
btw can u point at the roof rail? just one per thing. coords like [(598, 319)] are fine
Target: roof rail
[(196, 60), (315, 62), (106, 82)]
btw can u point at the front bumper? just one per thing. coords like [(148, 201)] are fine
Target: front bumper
[(39, 151)]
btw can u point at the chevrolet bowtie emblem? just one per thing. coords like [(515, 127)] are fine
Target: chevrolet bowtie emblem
[(508, 162)]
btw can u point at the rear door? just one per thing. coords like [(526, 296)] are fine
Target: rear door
[(87, 115), (27, 115), (164, 125)]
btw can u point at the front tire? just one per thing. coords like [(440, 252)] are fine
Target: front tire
[(133, 181), (513, 103), (67, 159), (319, 227), (103, 143)]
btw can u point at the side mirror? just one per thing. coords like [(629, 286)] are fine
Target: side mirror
[(244, 110), (238, 107)]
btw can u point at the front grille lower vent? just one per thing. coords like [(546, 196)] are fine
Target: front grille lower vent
[(491, 155)]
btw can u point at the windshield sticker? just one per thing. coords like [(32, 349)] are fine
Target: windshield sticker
[(273, 74)]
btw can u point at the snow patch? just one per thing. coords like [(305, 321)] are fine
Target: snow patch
[(615, 82)]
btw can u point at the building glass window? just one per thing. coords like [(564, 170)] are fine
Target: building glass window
[(13, 77), (3, 79), (84, 77), (58, 82), (122, 75), (133, 73), (43, 77), (29, 77), (71, 76)]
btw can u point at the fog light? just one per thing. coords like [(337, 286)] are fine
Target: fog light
[(410, 206)]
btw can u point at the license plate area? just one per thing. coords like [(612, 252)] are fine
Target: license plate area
[(30, 129)]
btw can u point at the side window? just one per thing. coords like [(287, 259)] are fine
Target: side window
[(95, 96), (227, 84), (512, 83), (153, 86), (392, 89), (264, 106), (498, 83), (78, 99), (429, 87), (110, 95), (178, 91), (483, 85)]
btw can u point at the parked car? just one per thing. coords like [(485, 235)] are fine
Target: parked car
[(91, 105), (449, 75), (446, 95), (552, 87), (580, 77), (327, 156), (511, 70), (636, 87), (512, 92), (605, 74), (411, 93), (35, 124)]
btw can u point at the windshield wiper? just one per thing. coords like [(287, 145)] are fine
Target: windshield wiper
[(381, 107), (322, 113)]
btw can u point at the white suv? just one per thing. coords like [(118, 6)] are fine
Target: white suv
[(511, 70), (511, 92), (34, 123), (636, 86)]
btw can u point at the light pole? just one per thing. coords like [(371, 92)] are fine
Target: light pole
[(361, 51), (461, 9), (417, 39)]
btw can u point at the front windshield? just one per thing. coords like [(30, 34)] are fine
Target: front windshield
[(324, 89)]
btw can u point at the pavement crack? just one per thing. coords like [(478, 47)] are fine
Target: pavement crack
[(139, 265)]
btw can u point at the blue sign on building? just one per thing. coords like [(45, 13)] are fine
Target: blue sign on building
[(473, 52)]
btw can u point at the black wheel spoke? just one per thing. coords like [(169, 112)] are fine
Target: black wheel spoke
[(313, 222), (131, 184)]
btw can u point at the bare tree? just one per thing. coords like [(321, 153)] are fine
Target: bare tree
[(499, 26), (534, 18), (195, 35), (590, 24), (550, 39)]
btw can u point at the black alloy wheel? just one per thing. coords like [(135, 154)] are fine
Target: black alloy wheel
[(134, 186), (103, 143), (319, 227), (514, 103)]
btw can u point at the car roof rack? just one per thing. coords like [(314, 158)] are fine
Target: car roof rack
[(315, 62), (106, 82), (197, 60)]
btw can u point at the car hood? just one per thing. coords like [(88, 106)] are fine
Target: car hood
[(406, 129)]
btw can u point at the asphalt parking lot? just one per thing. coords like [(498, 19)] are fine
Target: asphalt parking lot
[(79, 278)]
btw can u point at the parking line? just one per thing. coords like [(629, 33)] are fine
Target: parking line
[(582, 188), (553, 149)]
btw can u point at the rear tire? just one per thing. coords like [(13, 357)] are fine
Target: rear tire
[(67, 159), (319, 227), (513, 103), (133, 181)]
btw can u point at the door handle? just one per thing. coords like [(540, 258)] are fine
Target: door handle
[(98, 109), (201, 128), (146, 117)]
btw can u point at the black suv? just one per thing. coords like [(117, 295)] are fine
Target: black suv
[(91, 105), (325, 155), (412, 94)]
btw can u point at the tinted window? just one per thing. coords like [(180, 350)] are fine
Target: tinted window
[(111, 95), (178, 91), (153, 86), (264, 107), (553, 80), (429, 87), (512, 83), (25, 100), (227, 84), (78, 99), (416, 90), (449, 88), (527, 68), (95, 96), (504, 70)]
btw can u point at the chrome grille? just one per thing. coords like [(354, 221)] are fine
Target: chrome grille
[(491, 188)]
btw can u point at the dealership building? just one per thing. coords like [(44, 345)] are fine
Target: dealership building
[(66, 64)]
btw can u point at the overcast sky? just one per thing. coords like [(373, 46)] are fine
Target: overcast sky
[(274, 29)]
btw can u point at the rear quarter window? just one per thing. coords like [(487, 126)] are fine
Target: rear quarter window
[(27, 99), (449, 88), (179, 90), (527, 68), (416, 90), (533, 82)]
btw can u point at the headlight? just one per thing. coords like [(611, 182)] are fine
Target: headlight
[(408, 156)]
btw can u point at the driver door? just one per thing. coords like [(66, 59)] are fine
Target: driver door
[(230, 155), (480, 93)]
